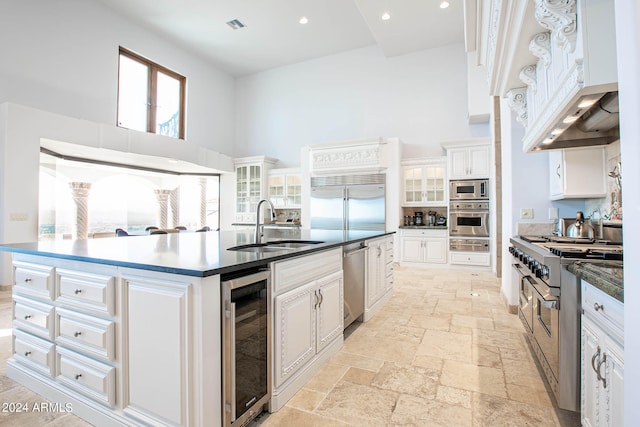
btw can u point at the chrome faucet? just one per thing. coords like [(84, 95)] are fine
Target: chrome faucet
[(260, 228)]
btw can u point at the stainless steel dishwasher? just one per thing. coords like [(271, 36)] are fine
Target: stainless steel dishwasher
[(353, 262)]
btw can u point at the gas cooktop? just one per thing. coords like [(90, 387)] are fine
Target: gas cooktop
[(578, 248)]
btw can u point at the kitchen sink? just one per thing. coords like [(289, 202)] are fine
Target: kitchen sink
[(293, 243), (276, 245)]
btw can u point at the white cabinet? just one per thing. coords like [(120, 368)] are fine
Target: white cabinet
[(155, 343), (577, 173), (602, 361), (308, 319), (285, 188), (423, 246), (480, 259), (251, 178), (425, 182), (109, 337), (467, 162), (379, 275)]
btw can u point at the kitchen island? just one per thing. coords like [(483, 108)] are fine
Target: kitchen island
[(127, 331)]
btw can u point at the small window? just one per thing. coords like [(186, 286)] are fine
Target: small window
[(150, 97)]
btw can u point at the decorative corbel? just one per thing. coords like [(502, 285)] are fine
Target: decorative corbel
[(559, 17), (529, 77), (540, 47), (517, 100)]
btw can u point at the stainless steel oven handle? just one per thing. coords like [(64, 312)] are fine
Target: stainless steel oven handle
[(518, 269), (355, 251), (552, 304)]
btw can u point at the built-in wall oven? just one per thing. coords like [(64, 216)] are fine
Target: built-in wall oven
[(469, 189), (246, 336), (469, 218)]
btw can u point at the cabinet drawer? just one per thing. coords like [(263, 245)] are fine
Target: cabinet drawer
[(87, 376), (415, 232), (34, 352), (33, 279), (470, 258), (601, 307), (33, 317), (288, 274), (86, 334), (91, 292)]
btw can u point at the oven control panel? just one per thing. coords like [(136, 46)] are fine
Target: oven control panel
[(537, 269)]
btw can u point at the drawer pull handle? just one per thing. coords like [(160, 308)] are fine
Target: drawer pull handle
[(27, 280), (27, 316), (598, 307), (77, 334), (77, 291), (78, 376), (27, 353)]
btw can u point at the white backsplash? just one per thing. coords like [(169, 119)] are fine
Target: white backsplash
[(610, 207), (536, 228)]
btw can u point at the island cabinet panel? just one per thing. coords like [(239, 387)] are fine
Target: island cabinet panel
[(156, 347), (295, 320), (379, 275), (308, 319), (124, 346)]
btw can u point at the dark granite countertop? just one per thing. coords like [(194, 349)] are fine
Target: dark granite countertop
[(188, 253), (606, 276)]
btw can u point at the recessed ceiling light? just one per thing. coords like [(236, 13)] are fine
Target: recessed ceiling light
[(570, 119), (444, 5), (557, 131), (547, 141), (304, 20), (385, 16)]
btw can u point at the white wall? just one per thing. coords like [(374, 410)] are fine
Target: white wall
[(62, 57), (628, 45), (420, 98)]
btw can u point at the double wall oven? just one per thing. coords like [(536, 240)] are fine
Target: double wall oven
[(469, 215), (549, 305)]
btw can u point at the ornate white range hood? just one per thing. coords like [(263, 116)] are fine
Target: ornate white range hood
[(555, 60)]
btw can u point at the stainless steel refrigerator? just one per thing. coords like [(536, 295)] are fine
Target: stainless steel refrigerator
[(349, 203)]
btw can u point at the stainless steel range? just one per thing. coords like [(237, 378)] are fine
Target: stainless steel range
[(549, 305)]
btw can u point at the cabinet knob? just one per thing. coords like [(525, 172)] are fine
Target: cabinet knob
[(27, 353), (27, 280), (598, 307), (27, 316), (78, 376), (77, 291), (77, 334)]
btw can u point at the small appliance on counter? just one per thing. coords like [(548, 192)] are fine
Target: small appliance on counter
[(441, 221), (419, 220), (431, 218)]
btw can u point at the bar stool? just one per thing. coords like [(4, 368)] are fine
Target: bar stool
[(121, 232), (156, 231)]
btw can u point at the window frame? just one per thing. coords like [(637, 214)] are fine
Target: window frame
[(152, 78)]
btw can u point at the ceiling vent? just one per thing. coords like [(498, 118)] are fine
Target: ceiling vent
[(235, 24)]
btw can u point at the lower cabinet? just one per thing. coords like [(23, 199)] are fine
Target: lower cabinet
[(602, 361), (379, 275), (308, 320), (120, 346), (424, 246), (470, 258)]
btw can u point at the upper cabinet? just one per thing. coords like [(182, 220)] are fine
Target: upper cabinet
[(285, 188), (555, 62), (251, 185), (577, 173), (425, 182), (468, 160)]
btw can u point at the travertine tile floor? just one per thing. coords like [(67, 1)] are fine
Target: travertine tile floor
[(442, 352)]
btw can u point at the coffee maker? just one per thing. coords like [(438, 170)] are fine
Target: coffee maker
[(419, 220)]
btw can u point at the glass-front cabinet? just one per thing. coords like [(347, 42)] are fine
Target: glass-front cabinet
[(285, 188), (250, 185), (425, 182)]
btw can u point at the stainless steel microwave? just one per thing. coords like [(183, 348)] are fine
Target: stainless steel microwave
[(469, 189)]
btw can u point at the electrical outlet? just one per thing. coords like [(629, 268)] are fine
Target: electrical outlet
[(18, 216), (553, 213), (526, 213)]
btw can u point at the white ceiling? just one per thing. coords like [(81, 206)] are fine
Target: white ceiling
[(273, 37)]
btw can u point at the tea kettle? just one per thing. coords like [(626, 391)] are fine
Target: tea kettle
[(580, 228)]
